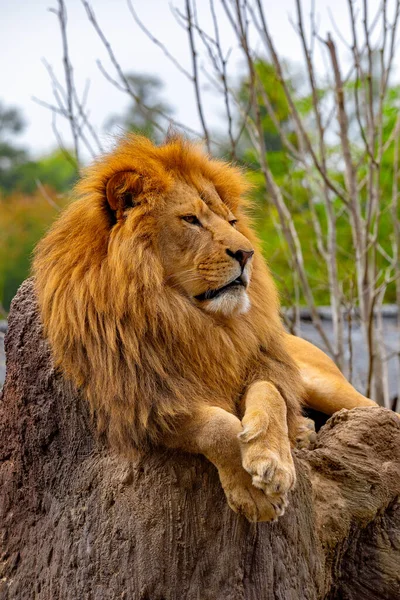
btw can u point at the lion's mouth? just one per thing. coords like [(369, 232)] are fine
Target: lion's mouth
[(211, 294)]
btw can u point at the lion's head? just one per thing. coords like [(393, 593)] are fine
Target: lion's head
[(152, 291), (195, 235)]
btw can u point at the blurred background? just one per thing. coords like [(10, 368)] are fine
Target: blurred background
[(303, 94)]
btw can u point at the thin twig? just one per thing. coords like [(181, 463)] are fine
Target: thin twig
[(157, 42), (46, 195), (189, 21)]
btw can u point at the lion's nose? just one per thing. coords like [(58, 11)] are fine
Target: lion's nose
[(242, 256)]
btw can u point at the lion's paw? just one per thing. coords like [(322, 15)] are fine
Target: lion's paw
[(266, 456), (243, 498), (268, 470), (306, 435)]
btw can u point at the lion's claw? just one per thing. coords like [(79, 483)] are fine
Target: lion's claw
[(245, 499)]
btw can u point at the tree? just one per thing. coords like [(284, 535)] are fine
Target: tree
[(143, 115), (53, 170), (291, 176), (23, 221), (11, 124)]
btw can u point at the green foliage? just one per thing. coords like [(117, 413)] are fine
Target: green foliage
[(23, 221), (11, 124), (54, 170), (299, 191), (273, 89), (18, 172), (277, 253), (25, 213)]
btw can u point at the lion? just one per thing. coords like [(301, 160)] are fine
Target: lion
[(158, 305)]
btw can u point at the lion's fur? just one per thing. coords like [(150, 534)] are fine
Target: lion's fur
[(143, 354)]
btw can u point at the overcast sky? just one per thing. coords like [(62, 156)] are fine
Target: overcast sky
[(29, 33)]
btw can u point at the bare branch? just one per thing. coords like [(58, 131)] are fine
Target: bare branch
[(157, 42), (263, 30), (288, 227), (330, 255), (70, 109), (46, 195), (189, 21)]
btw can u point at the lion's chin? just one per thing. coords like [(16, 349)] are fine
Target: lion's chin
[(228, 304)]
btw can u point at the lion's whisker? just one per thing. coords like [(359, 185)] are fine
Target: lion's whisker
[(191, 271)]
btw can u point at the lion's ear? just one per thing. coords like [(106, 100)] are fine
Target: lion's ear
[(122, 190)]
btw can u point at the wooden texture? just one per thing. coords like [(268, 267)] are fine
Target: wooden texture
[(81, 523)]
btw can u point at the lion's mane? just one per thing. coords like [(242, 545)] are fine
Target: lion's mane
[(144, 356)]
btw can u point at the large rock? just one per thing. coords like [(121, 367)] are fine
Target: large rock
[(79, 522)]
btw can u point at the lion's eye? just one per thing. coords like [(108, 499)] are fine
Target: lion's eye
[(233, 222), (192, 219)]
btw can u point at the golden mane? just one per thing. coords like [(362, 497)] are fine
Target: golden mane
[(144, 356)]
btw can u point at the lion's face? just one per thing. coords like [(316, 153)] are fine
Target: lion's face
[(203, 253), (196, 236)]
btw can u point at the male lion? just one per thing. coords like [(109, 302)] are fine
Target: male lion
[(157, 304)]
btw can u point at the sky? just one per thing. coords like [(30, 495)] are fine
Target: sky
[(29, 34)]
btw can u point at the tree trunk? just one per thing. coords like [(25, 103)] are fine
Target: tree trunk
[(79, 522)]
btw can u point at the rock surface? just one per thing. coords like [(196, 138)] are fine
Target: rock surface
[(78, 522)]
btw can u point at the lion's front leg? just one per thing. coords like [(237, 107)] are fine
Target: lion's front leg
[(265, 445), (214, 432)]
